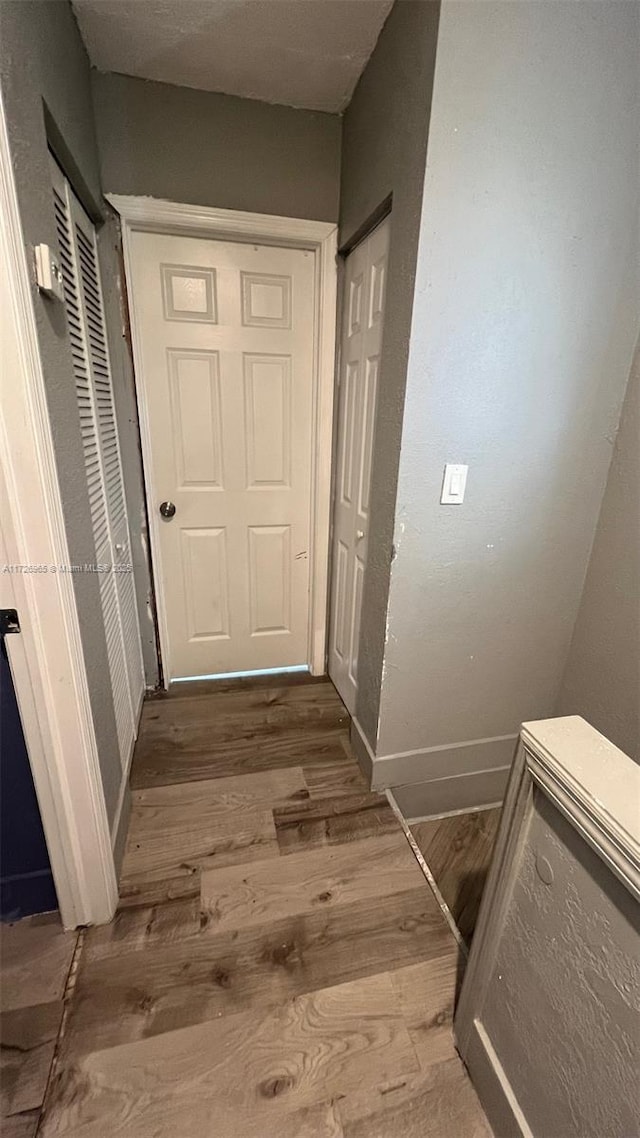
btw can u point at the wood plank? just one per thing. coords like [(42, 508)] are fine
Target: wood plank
[(177, 839), (229, 742), (302, 1054), (36, 956), (301, 882), (176, 829), (263, 791), (335, 775), (426, 995), (150, 986), (438, 1103), (27, 1041), (197, 761), (204, 1118), (141, 892), (20, 1125), (244, 711), (458, 852), (141, 928), (325, 822)]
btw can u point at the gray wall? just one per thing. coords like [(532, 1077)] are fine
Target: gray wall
[(42, 58), (216, 150), (524, 321), (602, 678), (383, 153)]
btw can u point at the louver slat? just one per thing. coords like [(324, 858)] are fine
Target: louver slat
[(103, 471)]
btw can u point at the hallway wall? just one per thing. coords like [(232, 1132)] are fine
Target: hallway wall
[(43, 63), (203, 148), (383, 155), (601, 681), (524, 322)]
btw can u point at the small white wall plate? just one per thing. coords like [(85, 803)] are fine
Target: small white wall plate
[(48, 273)]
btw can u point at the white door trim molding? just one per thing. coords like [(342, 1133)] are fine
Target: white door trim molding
[(156, 215), (46, 659)]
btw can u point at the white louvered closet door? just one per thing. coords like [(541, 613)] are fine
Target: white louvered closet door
[(94, 393)]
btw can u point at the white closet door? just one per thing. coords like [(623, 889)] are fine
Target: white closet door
[(361, 346), (92, 374), (110, 451)]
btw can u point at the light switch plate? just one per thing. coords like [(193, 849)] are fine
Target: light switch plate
[(48, 272), (454, 484)]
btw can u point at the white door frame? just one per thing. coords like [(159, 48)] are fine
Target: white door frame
[(46, 658), (158, 216)]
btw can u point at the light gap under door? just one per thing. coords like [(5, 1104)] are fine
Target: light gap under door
[(243, 675)]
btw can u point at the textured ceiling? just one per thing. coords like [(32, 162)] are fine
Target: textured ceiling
[(303, 53)]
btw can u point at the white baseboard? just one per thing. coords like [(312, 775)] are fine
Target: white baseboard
[(493, 1087), (120, 827), (469, 757), (455, 813), (436, 781), (120, 822), (460, 793), (361, 749)]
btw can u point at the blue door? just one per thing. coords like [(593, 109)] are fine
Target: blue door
[(26, 882)]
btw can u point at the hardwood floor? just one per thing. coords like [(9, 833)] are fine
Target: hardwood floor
[(35, 959), (458, 852), (278, 966)]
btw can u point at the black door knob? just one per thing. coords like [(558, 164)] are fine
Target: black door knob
[(167, 509)]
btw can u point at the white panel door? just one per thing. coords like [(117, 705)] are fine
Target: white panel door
[(361, 345), (226, 339)]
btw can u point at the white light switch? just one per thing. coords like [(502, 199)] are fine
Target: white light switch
[(453, 484)]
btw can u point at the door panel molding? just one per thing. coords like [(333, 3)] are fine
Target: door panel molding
[(172, 218)]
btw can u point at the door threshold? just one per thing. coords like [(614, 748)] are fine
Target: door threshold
[(242, 675)]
